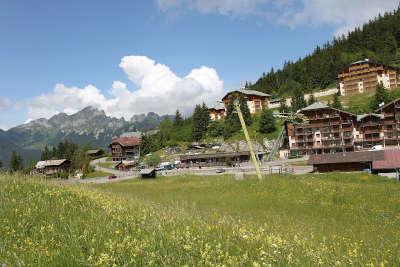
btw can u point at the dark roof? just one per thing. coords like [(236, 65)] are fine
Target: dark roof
[(363, 116), (319, 105), (127, 141), (388, 104), (247, 92), (391, 161), (346, 157)]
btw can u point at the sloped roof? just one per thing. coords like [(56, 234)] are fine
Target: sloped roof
[(127, 141), (247, 92), (391, 161), (316, 105), (49, 163), (363, 116), (388, 104), (346, 157), (319, 105)]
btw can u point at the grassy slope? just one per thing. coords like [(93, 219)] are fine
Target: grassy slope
[(302, 220), (254, 132), (96, 174)]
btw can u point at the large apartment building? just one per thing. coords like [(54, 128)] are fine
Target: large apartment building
[(363, 77), (330, 130), (327, 130)]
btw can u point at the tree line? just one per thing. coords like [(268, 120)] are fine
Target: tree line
[(63, 150), (377, 40), (199, 126)]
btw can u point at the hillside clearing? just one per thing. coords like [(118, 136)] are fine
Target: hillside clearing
[(335, 219)]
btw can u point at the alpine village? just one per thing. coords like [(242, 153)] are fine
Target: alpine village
[(319, 137)]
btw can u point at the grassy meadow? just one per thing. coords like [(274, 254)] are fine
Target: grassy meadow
[(327, 220)]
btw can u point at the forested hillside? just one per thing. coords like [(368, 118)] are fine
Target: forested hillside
[(377, 40)]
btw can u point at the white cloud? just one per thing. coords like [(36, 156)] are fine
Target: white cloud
[(5, 103), (158, 89), (344, 15)]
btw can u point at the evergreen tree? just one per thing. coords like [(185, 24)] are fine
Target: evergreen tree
[(298, 101), (381, 97), (178, 120), (231, 123), (201, 120), (15, 162), (336, 102), (311, 100), (1, 165), (267, 122), (245, 110), (148, 144)]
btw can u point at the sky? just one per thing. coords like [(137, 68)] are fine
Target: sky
[(129, 57)]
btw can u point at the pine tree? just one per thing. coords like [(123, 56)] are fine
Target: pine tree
[(15, 162), (267, 122), (298, 101), (245, 110), (381, 96), (201, 120), (178, 120), (1, 165), (336, 102), (231, 123)]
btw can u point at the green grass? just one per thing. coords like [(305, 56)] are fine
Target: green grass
[(106, 164), (330, 220), (96, 174)]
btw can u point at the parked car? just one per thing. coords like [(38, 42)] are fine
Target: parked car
[(220, 170), (113, 176)]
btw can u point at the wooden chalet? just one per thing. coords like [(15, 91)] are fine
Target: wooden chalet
[(125, 148), (50, 167), (363, 77), (256, 101), (126, 165)]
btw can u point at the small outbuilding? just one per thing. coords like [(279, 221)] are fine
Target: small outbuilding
[(126, 165), (148, 173)]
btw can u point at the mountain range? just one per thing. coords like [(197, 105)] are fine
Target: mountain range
[(90, 125)]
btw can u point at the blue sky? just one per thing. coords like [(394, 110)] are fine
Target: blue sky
[(58, 56)]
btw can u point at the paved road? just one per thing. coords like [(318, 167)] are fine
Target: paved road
[(111, 170), (244, 168)]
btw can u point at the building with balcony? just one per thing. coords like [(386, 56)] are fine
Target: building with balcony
[(329, 130), (363, 77), (256, 101), (217, 112), (125, 148)]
